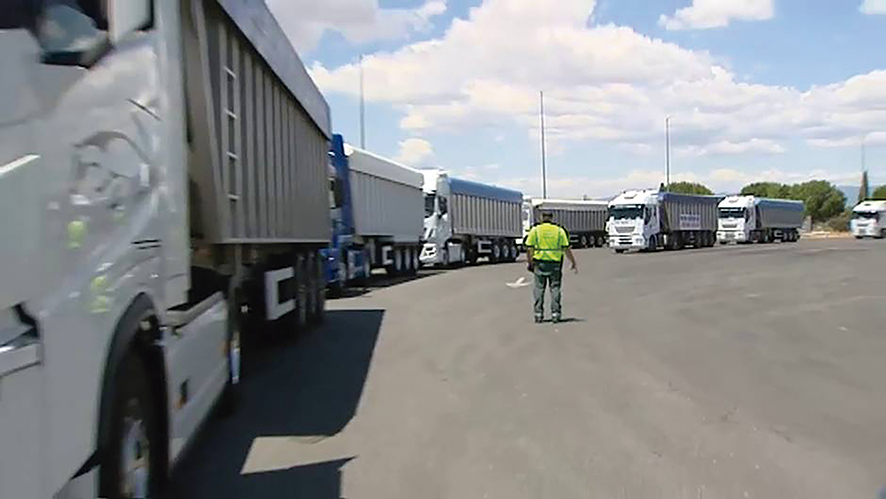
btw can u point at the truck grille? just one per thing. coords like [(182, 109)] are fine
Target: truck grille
[(624, 229)]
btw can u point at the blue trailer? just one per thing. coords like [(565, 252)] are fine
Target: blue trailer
[(377, 216)]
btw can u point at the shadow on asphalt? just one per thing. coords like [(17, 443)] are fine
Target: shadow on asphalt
[(307, 387), (382, 280)]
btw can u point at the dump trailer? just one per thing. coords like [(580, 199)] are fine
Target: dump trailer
[(583, 220), (869, 220), (163, 192), (377, 211), (749, 219), (650, 220), (466, 221)]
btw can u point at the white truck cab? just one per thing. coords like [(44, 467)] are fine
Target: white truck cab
[(634, 220), (737, 218), (438, 220), (869, 219)]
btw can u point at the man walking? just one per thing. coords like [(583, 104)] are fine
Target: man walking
[(545, 245)]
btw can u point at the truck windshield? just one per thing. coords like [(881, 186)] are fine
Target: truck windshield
[(732, 212), (429, 204), (865, 214), (626, 212)]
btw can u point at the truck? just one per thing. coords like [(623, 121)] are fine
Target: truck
[(377, 215), (163, 190), (583, 220), (648, 220), (749, 219), (869, 220), (466, 221)]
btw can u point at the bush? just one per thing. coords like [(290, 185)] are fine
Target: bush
[(879, 193), (840, 223)]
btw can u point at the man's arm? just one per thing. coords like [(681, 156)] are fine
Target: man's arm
[(564, 240), (571, 258)]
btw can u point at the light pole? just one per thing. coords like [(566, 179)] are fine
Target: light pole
[(667, 153), (362, 111), (544, 179)]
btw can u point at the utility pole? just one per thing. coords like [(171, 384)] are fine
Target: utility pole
[(667, 153), (544, 179), (362, 110)]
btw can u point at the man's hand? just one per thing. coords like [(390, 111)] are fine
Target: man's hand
[(529, 266), (574, 268)]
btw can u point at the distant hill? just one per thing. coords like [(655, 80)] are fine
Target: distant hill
[(851, 193)]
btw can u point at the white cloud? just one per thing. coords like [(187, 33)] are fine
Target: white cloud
[(761, 146), (870, 139), (360, 21), (706, 14), (871, 7), (602, 83), (414, 152)]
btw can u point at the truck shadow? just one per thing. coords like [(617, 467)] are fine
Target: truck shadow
[(302, 390), (382, 280)]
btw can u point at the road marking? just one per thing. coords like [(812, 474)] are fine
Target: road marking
[(519, 283)]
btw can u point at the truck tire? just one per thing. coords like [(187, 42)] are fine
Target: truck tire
[(496, 252), (416, 261), (132, 464), (318, 313), (583, 241), (301, 292), (230, 397)]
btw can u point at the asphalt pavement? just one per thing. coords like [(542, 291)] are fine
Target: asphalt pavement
[(730, 372)]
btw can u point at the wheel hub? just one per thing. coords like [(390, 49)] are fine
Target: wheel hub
[(136, 468)]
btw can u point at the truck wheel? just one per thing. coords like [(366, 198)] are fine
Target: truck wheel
[(132, 464), (496, 252), (583, 241), (301, 293), (318, 313), (230, 396), (416, 262)]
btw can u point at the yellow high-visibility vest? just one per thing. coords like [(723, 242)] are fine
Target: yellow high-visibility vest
[(547, 242)]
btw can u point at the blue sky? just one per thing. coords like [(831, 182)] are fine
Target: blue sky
[(782, 90)]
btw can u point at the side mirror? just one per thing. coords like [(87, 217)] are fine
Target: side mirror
[(69, 37)]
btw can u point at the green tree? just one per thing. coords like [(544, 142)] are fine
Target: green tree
[(879, 193), (864, 191), (689, 188), (822, 199), (767, 190)]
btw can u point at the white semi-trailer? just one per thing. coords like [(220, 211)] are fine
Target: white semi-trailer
[(749, 219), (869, 219), (163, 184), (583, 220), (384, 201), (465, 221), (649, 220)]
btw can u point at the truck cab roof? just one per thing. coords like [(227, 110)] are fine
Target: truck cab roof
[(868, 206)]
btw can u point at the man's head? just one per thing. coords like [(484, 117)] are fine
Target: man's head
[(547, 216)]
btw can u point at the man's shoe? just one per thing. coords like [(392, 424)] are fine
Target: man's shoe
[(539, 319), (555, 319)]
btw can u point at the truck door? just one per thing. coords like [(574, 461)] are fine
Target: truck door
[(97, 128)]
